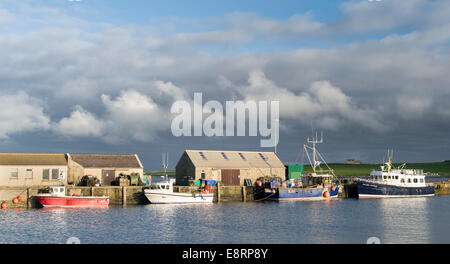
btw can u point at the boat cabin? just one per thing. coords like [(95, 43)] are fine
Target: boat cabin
[(58, 191), (314, 179), (164, 186), (402, 177)]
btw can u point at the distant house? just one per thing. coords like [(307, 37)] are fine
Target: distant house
[(353, 161), (106, 167), (32, 169), (228, 167)]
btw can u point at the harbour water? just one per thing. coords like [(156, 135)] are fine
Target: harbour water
[(398, 220)]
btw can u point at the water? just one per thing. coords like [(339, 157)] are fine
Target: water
[(404, 220)]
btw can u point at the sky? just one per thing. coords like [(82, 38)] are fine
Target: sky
[(97, 76)]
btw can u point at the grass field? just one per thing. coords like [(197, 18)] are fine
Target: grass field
[(347, 170), (442, 168)]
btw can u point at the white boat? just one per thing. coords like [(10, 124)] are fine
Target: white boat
[(395, 182), (162, 193)]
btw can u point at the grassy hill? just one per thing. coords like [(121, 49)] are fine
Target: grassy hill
[(161, 173), (340, 169)]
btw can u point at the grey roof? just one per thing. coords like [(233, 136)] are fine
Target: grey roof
[(234, 159), (107, 160), (32, 159)]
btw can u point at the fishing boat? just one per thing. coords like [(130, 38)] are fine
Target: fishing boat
[(56, 197), (392, 182), (320, 184), (162, 193)]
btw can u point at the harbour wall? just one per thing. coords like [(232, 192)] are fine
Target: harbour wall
[(134, 195)]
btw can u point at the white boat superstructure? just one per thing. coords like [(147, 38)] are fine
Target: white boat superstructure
[(398, 176), (162, 193), (405, 178)]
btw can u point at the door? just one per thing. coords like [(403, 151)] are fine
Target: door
[(108, 176), (231, 177)]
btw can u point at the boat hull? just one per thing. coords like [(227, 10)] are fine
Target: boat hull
[(73, 201), (375, 190), (300, 194), (179, 198)]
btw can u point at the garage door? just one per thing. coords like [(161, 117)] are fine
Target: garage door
[(231, 177)]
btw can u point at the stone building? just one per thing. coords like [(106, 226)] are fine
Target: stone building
[(231, 168), (106, 167), (27, 169)]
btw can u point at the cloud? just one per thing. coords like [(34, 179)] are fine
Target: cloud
[(116, 83), (21, 113), (80, 123), (131, 116), (321, 101)]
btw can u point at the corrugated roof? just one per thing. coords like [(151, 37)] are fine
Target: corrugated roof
[(32, 159), (107, 160), (234, 159)]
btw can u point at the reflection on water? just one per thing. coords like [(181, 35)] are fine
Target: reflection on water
[(407, 220)]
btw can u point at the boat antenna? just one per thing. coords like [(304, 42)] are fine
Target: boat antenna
[(165, 163)]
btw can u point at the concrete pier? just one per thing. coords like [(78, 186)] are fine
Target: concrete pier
[(134, 195)]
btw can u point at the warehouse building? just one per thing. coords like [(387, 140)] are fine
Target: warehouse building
[(105, 167), (26, 169), (231, 168)]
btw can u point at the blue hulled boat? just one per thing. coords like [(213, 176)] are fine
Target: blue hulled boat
[(394, 182), (318, 185)]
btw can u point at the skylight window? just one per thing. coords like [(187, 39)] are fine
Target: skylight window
[(224, 156), (202, 155), (262, 156)]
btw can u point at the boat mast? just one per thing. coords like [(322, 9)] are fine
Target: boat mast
[(315, 141), (389, 163)]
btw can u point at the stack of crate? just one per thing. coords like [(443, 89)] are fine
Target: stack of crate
[(124, 181)]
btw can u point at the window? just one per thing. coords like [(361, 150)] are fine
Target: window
[(203, 175), (14, 173), (55, 174), (421, 180), (396, 177), (223, 155), (202, 155), (385, 177), (242, 156), (46, 174), (262, 156), (402, 180), (29, 174), (389, 177), (409, 180), (415, 180)]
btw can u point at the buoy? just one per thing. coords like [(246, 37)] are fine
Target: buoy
[(19, 198), (4, 205), (15, 200), (326, 194), (333, 188)]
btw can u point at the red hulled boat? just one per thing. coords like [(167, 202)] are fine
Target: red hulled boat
[(57, 198)]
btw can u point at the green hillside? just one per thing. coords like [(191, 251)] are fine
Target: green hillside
[(442, 168)]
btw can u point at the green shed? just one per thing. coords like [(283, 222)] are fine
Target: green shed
[(294, 171)]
